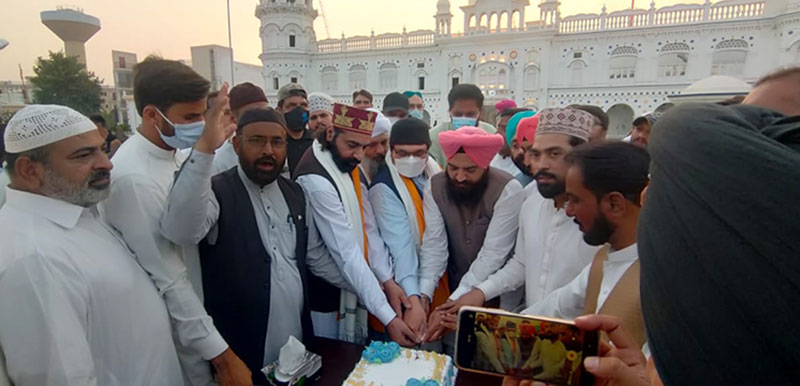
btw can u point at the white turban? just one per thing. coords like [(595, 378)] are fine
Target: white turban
[(39, 125), (320, 101), (382, 124)]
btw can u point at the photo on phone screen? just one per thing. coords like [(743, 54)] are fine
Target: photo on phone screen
[(526, 347)]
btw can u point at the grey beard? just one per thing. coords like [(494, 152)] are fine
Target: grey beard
[(370, 167), (57, 187)]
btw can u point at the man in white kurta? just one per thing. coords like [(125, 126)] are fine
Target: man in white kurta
[(144, 168), (75, 307), (550, 250)]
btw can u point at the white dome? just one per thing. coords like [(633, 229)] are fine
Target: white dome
[(443, 6), (712, 89)]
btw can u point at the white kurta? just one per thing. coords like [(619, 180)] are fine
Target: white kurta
[(193, 213), (140, 182), (497, 243), (549, 253), (225, 158), (335, 229), (75, 307), (568, 301), (4, 181), (505, 164)]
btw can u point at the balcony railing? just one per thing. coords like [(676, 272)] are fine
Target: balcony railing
[(380, 42)]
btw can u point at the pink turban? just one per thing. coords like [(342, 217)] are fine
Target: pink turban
[(505, 104), (478, 145), (526, 129)]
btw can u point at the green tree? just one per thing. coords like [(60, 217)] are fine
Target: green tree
[(62, 80)]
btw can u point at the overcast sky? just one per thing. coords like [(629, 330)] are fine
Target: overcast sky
[(170, 27)]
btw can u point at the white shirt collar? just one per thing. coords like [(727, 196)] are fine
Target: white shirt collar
[(57, 211), (628, 253), (152, 149)]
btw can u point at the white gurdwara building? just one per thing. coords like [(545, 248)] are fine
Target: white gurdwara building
[(627, 62)]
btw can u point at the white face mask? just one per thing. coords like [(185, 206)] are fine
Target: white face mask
[(410, 166)]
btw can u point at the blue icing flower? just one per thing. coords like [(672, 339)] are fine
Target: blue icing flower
[(431, 382), (394, 346), (386, 354), (376, 345), (414, 382)]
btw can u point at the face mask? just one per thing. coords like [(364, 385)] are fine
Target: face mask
[(416, 114), (296, 119), (410, 166), (186, 134), (459, 122)]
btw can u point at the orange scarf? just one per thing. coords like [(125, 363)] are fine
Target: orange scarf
[(443, 289)]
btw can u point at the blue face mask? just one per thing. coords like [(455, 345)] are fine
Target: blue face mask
[(416, 114), (186, 134), (459, 122)]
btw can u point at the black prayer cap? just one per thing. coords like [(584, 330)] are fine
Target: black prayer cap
[(410, 131), (260, 115), (395, 101)]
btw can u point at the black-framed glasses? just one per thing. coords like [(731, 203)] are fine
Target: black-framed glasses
[(260, 142)]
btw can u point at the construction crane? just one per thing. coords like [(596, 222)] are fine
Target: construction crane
[(324, 20)]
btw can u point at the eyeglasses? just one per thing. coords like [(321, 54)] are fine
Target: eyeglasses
[(260, 142), (418, 153)]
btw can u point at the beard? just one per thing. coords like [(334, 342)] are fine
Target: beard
[(550, 190), (600, 233), (85, 194), (467, 194), (258, 176), (345, 165), (519, 162), (371, 166)]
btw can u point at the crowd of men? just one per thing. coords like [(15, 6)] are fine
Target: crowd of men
[(190, 253)]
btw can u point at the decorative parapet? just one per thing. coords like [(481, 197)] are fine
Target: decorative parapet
[(677, 14), (418, 38)]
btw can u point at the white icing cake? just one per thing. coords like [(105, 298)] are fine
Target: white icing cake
[(419, 365)]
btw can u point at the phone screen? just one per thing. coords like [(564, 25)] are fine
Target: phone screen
[(546, 350)]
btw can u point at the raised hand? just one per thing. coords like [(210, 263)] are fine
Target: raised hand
[(217, 129), (622, 365), (471, 298)]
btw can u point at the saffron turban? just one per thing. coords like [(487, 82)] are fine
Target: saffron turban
[(526, 129), (478, 145), (513, 123)]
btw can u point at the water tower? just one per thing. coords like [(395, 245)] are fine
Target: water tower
[(73, 27)]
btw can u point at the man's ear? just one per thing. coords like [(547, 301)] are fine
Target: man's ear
[(28, 175), (237, 141), (616, 204), (329, 134)]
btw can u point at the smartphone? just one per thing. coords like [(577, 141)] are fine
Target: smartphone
[(501, 343)]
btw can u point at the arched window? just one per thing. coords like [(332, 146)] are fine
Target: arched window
[(388, 76), (531, 78), (330, 79), (358, 77), (501, 79), (622, 64), (729, 57), (673, 60), (515, 20), (577, 68), (503, 24)]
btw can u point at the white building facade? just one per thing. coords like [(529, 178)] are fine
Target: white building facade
[(627, 62)]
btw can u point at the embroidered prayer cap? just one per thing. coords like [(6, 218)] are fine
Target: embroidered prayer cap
[(526, 130), (39, 125), (319, 101), (567, 121), (244, 94), (513, 123), (353, 119), (477, 144), (382, 124), (505, 104)]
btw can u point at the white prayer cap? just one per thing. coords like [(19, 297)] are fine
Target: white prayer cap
[(382, 124), (39, 125), (320, 101)]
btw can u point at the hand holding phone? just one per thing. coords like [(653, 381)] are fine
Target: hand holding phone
[(533, 348)]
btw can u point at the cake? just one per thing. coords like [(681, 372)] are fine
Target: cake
[(388, 364)]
